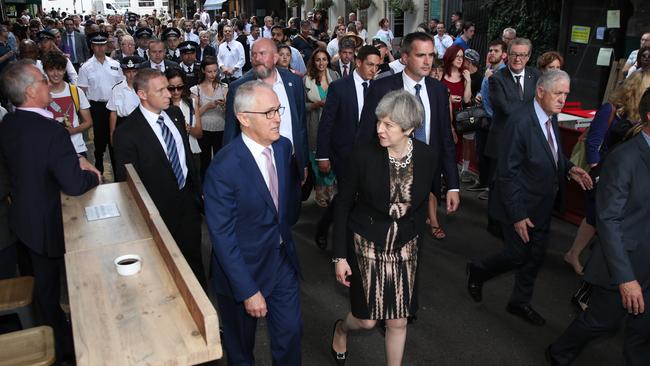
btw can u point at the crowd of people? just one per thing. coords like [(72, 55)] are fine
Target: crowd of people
[(236, 121)]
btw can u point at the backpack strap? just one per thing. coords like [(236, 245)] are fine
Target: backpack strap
[(74, 92)]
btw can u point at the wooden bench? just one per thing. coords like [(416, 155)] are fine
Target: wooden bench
[(29, 347), (16, 298)]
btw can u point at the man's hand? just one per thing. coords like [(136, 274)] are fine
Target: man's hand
[(256, 305), (343, 270), (324, 166), (453, 200), (632, 297), (85, 165), (521, 227), (582, 178)]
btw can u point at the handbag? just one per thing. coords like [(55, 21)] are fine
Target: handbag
[(470, 119), (579, 152)]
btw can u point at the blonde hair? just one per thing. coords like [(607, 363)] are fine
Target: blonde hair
[(627, 96)]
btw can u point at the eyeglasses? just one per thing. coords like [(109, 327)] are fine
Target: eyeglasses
[(518, 55), (460, 57), (270, 114), (172, 88)]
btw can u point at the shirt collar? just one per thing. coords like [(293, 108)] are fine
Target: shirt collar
[(42, 111), (541, 114), (357, 78), (522, 73), (150, 116), (410, 83), (252, 145), (646, 137)]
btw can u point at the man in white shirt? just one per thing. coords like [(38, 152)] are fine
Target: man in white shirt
[(333, 45), (254, 34), (442, 40), (189, 32), (280, 37), (205, 18), (230, 56), (266, 29), (631, 60)]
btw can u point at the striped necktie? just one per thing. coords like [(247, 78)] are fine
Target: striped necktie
[(172, 153)]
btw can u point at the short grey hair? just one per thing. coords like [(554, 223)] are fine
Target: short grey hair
[(512, 31), (550, 77), (16, 78), (402, 108), (245, 95), (521, 42)]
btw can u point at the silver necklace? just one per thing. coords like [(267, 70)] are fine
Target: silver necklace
[(409, 155)]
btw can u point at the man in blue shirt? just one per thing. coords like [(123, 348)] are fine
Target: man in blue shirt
[(468, 33), (496, 56)]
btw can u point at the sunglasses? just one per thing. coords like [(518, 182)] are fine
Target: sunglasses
[(172, 88)]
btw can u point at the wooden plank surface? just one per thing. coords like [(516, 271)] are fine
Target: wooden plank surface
[(16, 292), (33, 346), (136, 320), (81, 234)]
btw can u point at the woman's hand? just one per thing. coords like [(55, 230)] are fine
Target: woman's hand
[(454, 135), (342, 269), (467, 76)]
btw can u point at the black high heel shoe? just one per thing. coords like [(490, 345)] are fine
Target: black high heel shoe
[(339, 358)]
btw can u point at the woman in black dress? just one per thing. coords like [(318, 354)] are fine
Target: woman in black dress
[(380, 216)]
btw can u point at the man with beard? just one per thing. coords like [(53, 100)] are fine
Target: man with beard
[(280, 37), (290, 91)]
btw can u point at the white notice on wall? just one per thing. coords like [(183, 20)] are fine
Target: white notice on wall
[(613, 18), (604, 56), (103, 211)]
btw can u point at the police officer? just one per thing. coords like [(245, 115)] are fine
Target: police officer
[(131, 28), (189, 65), (97, 77), (172, 37), (123, 98), (143, 36)]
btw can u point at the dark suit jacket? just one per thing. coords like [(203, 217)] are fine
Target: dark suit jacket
[(41, 163), (80, 44), (296, 95), (207, 51), (168, 64), (363, 205), (336, 66), (338, 123), (6, 236), (622, 251), (528, 184), (505, 99), (441, 140), (245, 227), (135, 142)]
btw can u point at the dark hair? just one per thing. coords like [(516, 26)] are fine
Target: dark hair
[(366, 51), (143, 76), (448, 58), (407, 41), (437, 63), (54, 60), (458, 13), (175, 72), (644, 107), (499, 42), (547, 58), (467, 25), (312, 71), (207, 61)]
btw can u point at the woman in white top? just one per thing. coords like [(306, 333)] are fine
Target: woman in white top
[(384, 33), (189, 107), (211, 97)]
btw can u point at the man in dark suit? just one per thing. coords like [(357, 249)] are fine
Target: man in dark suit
[(157, 57), (338, 125), (290, 91), (41, 163), (345, 64), (508, 87), (618, 268), (249, 192), (529, 182), (153, 138), (417, 54), (75, 44)]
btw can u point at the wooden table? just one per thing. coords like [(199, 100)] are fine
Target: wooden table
[(158, 316)]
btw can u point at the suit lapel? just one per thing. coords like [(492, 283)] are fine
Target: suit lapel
[(542, 138), (529, 85), (250, 165), (149, 138), (355, 102), (280, 168), (645, 150)]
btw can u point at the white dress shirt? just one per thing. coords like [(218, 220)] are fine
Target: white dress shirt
[(333, 47), (231, 54), (257, 151), (409, 86), (286, 128), (397, 65), (266, 32), (349, 66), (543, 118), (99, 78), (156, 66), (521, 79), (442, 43), (152, 119), (358, 86)]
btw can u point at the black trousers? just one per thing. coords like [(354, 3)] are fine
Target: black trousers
[(484, 174), (47, 291), (8, 261), (101, 133), (525, 258), (604, 315), (210, 143)]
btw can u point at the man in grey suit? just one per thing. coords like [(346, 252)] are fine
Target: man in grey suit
[(618, 268), (74, 44)]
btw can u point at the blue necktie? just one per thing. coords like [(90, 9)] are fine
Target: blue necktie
[(172, 153), (73, 54), (421, 132)]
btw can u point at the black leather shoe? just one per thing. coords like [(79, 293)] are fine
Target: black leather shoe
[(474, 285), (321, 235), (549, 357), (339, 358), (527, 313), (477, 187)]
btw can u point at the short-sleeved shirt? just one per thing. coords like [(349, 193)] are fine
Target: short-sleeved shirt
[(100, 78), (461, 42), (123, 100), (64, 111)]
